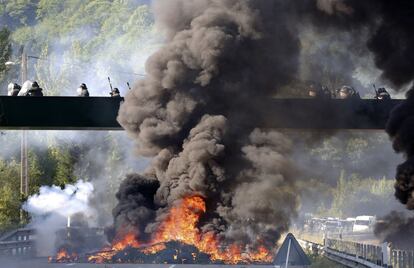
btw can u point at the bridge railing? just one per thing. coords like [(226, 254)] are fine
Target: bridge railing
[(402, 258), (373, 255), (20, 242)]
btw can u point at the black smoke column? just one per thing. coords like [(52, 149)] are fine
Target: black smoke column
[(401, 130), (135, 206), (197, 111), (396, 227)]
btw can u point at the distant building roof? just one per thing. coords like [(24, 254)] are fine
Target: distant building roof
[(297, 256)]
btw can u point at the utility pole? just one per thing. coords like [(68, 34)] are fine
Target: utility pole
[(24, 175)]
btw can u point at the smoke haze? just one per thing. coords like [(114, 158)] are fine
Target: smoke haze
[(197, 110), (396, 227), (51, 208), (65, 202), (194, 113)]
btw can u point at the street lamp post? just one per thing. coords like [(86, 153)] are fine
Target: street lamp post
[(24, 174)]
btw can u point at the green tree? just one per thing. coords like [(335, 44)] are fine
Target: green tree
[(35, 173), (51, 78), (64, 166), (5, 51), (81, 39), (18, 12), (355, 196), (10, 198)]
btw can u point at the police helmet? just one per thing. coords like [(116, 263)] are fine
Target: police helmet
[(35, 85)]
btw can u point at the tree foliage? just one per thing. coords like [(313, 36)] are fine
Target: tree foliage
[(80, 40), (18, 12), (58, 159), (5, 51), (10, 198), (355, 196)]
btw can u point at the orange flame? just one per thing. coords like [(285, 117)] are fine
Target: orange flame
[(64, 256), (129, 240), (154, 249), (101, 257), (181, 225)]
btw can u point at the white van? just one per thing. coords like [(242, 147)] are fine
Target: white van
[(364, 223)]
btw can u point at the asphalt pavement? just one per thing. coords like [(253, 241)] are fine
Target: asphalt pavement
[(42, 263)]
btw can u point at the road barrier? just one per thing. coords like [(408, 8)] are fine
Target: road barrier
[(365, 254), (20, 242), (353, 254), (402, 258)]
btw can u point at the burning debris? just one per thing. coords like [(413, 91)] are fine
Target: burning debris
[(171, 252), (64, 256), (177, 240)]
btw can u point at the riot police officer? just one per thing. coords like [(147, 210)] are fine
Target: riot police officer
[(326, 93), (115, 93), (35, 90), (319, 92), (313, 91), (83, 90), (13, 89), (382, 94), (347, 92)]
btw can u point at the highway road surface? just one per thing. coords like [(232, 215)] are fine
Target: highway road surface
[(42, 263)]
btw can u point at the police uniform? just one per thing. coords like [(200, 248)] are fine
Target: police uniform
[(115, 93), (383, 94), (83, 91), (14, 89), (35, 90), (347, 92)]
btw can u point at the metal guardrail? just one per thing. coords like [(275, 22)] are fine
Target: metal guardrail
[(353, 254), (402, 258), (20, 242), (365, 254)]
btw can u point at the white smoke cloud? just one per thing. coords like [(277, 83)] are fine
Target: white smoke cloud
[(71, 200), (51, 208)]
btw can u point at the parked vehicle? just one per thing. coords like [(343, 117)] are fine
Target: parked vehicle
[(348, 224), (364, 224), (332, 226)]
